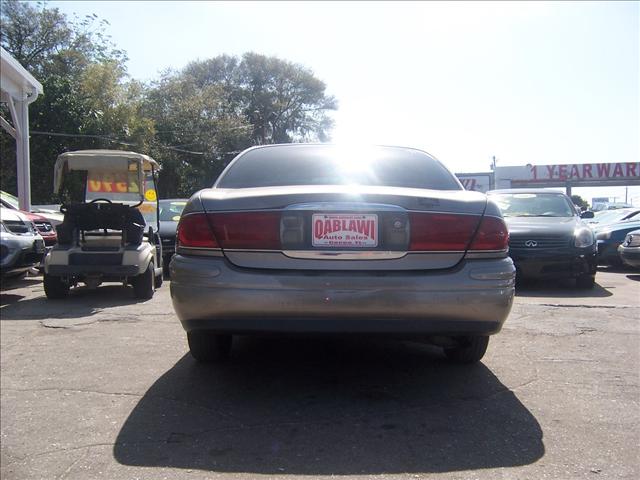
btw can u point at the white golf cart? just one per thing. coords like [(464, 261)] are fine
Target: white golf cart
[(111, 236)]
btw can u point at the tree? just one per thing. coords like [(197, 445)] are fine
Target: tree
[(193, 121), (213, 109), (579, 201), (88, 101)]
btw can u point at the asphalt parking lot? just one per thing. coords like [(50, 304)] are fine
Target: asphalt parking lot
[(102, 386)]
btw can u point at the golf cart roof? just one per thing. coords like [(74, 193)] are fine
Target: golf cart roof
[(103, 160)]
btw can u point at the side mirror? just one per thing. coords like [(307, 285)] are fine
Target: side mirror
[(587, 214)]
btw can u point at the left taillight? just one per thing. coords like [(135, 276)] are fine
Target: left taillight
[(194, 231)]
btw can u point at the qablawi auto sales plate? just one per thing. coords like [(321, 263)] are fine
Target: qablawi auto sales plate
[(344, 230)]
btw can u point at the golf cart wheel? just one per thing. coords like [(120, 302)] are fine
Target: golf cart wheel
[(208, 347), (585, 282), (470, 350), (55, 287), (143, 284)]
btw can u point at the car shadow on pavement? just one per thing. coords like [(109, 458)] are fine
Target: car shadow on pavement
[(560, 289), (329, 406), (15, 283), (82, 302)]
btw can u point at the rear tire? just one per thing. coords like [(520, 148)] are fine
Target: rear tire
[(55, 287), (143, 284), (158, 281), (585, 282), (208, 347), (470, 350)]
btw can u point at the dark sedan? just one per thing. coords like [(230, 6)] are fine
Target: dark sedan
[(630, 249), (548, 238), (170, 211), (609, 239)]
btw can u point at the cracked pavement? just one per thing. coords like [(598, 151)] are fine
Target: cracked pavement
[(102, 386)]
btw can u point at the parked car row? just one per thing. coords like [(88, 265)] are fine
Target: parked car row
[(44, 225), (322, 239), (630, 249), (21, 245), (610, 237)]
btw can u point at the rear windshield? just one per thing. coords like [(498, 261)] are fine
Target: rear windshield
[(331, 165), (170, 211)]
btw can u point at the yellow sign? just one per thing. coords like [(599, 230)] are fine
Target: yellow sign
[(150, 195), (107, 182)]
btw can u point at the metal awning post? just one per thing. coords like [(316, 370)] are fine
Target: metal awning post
[(18, 89), (22, 155)]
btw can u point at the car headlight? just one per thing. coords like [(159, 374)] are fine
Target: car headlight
[(632, 240), (583, 237), (604, 235)]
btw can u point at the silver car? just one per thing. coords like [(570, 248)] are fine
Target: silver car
[(325, 239), (21, 246)]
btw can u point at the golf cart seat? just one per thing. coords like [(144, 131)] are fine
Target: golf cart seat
[(89, 217)]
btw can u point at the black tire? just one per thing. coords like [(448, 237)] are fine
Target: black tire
[(55, 287), (158, 281), (208, 347), (585, 282), (143, 284), (470, 350)]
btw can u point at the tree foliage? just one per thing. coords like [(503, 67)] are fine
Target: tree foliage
[(579, 201), (192, 121), (220, 106), (88, 97)]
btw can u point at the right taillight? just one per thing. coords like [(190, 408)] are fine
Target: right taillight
[(441, 232), (492, 234), (194, 232)]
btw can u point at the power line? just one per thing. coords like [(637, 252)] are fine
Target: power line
[(110, 139)]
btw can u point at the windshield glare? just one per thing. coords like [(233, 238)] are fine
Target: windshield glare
[(332, 165), (533, 205)]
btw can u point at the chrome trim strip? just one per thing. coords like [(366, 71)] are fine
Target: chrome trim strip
[(200, 251), (254, 250), (479, 254), (344, 255)]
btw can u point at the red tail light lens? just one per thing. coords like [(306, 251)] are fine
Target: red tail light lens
[(492, 235), (441, 231), (250, 230), (194, 231)]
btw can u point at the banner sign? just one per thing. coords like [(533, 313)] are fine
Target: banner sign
[(479, 182), (573, 173), (110, 182)]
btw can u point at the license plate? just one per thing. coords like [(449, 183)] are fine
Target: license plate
[(345, 230)]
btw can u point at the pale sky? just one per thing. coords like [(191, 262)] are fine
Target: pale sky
[(528, 82)]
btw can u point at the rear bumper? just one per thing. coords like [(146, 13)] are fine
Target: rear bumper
[(210, 293), (556, 264), (608, 252), (102, 270), (21, 260)]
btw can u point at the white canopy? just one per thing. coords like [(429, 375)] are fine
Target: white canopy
[(102, 160), (18, 88)]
